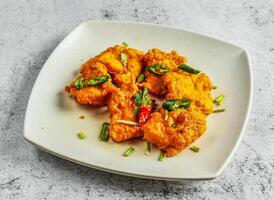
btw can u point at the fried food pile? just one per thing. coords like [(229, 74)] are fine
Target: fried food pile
[(124, 79)]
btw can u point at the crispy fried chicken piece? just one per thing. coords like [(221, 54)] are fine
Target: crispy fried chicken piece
[(108, 62), (181, 129), (194, 87), (123, 76), (126, 81), (92, 95), (154, 83), (122, 107), (111, 58)]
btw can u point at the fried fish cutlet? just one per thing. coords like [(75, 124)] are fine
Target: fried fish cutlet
[(195, 87), (181, 129), (92, 95), (172, 60), (121, 106)]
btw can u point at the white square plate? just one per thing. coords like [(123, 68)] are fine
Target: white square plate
[(52, 118)]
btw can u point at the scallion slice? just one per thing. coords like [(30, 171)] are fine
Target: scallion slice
[(128, 152), (161, 156), (195, 149), (81, 135)]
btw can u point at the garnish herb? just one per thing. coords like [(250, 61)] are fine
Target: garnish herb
[(136, 111), (174, 125), (124, 59), (98, 80), (219, 99), (81, 135), (189, 69), (218, 110), (142, 110), (128, 152), (141, 77), (175, 104), (125, 44), (195, 149), (140, 97), (104, 132), (148, 149), (79, 83), (157, 69), (214, 87), (161, 156)]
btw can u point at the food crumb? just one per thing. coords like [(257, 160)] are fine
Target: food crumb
[(82, 117)]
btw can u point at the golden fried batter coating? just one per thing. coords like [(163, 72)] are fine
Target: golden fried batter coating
[(157, 56), (123, 76), (155, 131), (110, 58), (194, 87), (135, 61), (154, 83), (126, 81), (172, 135), (92, 95), (121, 106), (190, 125)]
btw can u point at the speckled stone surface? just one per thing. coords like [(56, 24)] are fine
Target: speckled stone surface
[(30, 30)]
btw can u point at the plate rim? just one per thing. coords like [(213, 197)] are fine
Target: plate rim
[(138, 175)]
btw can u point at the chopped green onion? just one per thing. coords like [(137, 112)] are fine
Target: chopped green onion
[(174, 125), (175, 104), (79, 83), (195, 149), (104, 132), (124, 59), (125, 44), (148, 150), (128, 152), (98, 80), (81, 135), (189, 69), (214, 87), (140, 97), (141, 77), (166, 115), (218, 110), (157, 69), (219, 99), (161, 156)]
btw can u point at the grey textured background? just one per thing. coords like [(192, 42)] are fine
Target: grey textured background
[(30, 30)]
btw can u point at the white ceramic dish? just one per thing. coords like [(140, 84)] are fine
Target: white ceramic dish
[(52, 118)]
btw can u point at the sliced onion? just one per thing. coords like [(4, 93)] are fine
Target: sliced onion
[(128, 122), (166, 115)]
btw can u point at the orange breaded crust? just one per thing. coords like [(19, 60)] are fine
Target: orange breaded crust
[(154, 83), (121, 106), (194, 87), (123, 76), (190, 125), (92, 95), (157, 56)]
